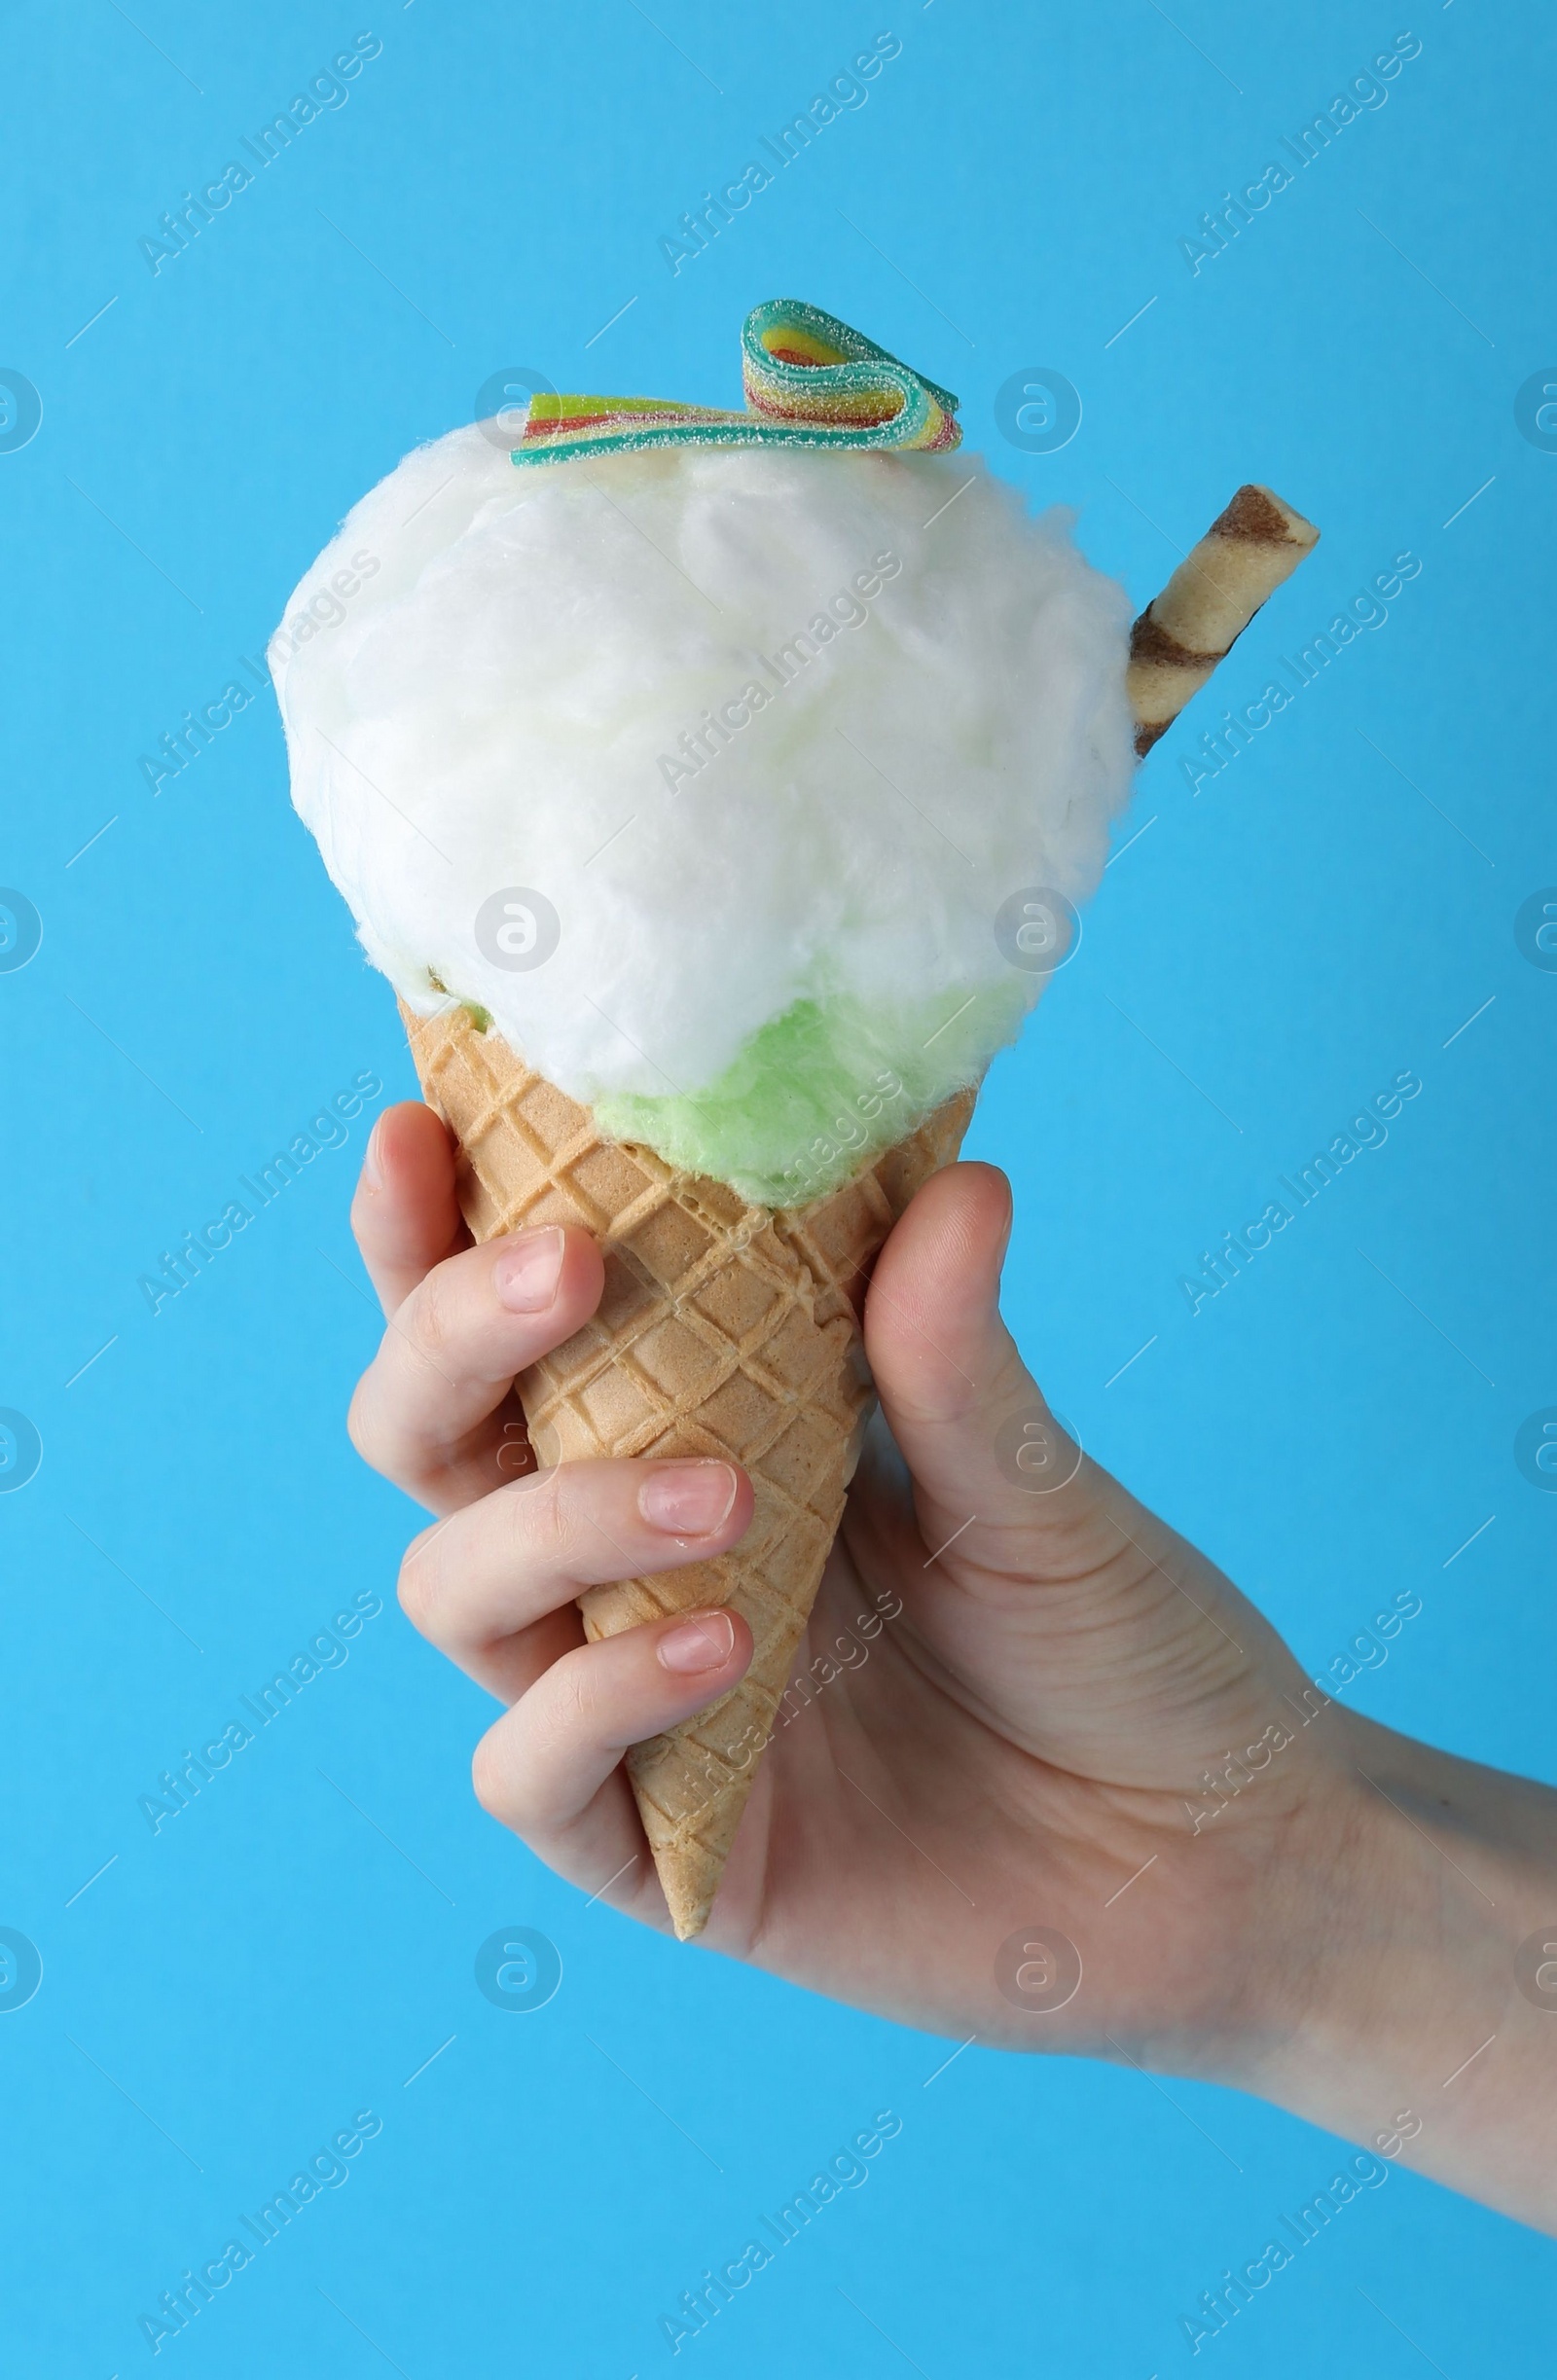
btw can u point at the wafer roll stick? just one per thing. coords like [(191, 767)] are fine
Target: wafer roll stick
[(1207, 604)]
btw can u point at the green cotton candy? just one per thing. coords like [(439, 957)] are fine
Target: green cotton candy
[(822, 1090)]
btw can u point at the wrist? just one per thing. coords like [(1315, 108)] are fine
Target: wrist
[(1395, 2010)]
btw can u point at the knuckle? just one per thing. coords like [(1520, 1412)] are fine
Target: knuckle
[(418, 1581), (544, 1533), (490, 1782), (436, 1313), (506, 1781), (574, 1704), (518, 1769), (547, 1533), (359, 1426)]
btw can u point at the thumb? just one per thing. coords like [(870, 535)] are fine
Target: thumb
[(1090, 1629), (986, 1453)]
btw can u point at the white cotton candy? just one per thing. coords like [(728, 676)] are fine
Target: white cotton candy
[(498, 706)]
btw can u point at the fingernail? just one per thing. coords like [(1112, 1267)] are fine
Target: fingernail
[(688, 1499), (526, 1275), (701, 1643), (372, 1171)]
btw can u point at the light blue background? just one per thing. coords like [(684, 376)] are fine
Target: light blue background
[(228, 1993)]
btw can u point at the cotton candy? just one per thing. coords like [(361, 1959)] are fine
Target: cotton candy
[(710, 776)]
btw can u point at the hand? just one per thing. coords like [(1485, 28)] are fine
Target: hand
[(1040, 1710)]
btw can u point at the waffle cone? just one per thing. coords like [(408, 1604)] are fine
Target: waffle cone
[(725, 1329)]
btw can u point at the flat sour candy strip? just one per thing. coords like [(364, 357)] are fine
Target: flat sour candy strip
[(809, 381)]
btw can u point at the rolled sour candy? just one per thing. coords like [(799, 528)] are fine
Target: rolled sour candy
[(1207, 604), (717, 759)]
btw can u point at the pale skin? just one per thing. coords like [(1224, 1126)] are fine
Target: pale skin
[(1023, 1743)]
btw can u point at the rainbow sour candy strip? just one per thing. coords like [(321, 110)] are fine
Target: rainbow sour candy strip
[(809, 382)]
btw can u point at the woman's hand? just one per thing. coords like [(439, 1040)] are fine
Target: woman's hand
[(1053, 1782)]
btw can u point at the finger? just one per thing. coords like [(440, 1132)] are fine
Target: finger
[(548, 1768), (1056, 1608), (405, 1214), (425, 1412), (983, 1446), (511, 1666), (499, 1566), (972, 1423)]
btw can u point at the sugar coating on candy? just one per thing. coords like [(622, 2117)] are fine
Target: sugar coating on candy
[(774, 732), (809, 381)]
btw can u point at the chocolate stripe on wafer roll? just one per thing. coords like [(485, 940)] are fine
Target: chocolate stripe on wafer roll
[(1207, 604)]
